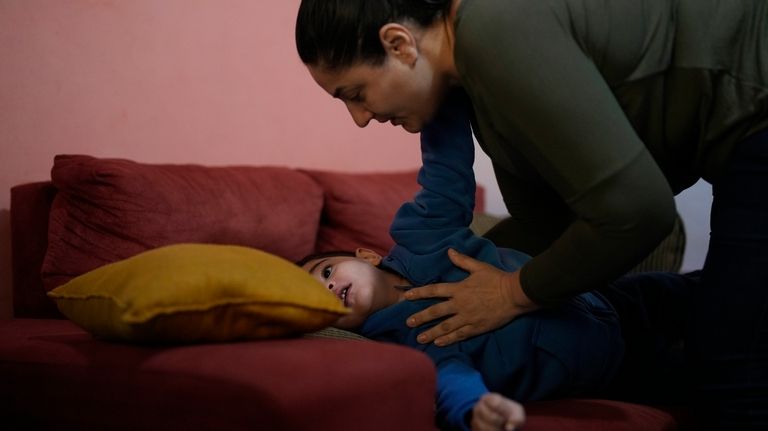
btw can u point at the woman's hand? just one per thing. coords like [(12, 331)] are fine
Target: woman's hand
[(487, 299), (495, 412)]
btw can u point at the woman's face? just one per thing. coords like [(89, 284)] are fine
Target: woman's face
[(403, 94)]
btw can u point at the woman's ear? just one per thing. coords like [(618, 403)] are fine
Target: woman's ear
[(368, 255), (399, 42)]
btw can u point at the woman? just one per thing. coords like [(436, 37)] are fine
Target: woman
[(594, 114)]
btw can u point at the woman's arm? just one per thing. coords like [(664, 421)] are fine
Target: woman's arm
[(544, 99), (540, 216)]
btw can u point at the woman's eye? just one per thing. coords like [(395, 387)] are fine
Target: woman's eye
[(326, 272), (357, 98)]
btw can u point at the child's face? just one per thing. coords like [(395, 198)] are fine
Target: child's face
[(358, 283)]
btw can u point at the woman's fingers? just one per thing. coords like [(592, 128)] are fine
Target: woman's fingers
[(448, 332), (461, 333), (446, 290), (476, 305), (436, 311), (465, 262), (439, 290)]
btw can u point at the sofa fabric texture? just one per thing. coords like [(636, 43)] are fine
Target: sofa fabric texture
[(359, 208), (57, 376)]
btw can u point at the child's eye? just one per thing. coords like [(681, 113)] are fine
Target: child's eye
[(357, 98), (326, 272)]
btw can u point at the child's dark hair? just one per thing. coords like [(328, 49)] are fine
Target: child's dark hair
[(314, 256), (336, 34)]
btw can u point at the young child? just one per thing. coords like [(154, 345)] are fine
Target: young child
[(573, 348)]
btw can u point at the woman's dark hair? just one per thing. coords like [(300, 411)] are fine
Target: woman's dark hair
[(336, 34)]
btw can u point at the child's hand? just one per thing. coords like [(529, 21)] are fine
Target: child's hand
[(496, 412)]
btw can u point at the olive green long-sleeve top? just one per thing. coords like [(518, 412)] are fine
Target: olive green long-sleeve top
[(596, 112)]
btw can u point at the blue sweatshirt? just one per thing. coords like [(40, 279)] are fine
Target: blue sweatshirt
[(561, 351)]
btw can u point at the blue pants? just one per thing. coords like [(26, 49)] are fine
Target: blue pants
[(727, 339), (653, 310)]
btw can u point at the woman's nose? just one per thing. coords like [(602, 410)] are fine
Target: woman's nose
[(360, 115)]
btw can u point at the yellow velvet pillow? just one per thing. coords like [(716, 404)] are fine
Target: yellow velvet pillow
[(198, 292)]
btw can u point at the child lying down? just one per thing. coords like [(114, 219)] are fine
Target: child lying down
[(569, 350)]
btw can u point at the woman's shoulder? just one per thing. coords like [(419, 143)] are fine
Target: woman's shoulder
[(526, 26), (488, 14), (505, 26)]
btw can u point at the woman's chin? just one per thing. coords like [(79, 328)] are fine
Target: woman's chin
[(410, 128)]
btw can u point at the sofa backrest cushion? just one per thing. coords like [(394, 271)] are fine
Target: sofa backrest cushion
[(359, 207), (109, 209)]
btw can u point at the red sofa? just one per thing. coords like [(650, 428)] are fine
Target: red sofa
[(56, 376)]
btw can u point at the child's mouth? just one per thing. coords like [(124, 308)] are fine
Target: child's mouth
[(343, 296)]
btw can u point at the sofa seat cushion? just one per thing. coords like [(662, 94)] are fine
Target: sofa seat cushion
[(598, 415), (56, 376)]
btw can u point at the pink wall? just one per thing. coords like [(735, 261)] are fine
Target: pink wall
[(199, 81)]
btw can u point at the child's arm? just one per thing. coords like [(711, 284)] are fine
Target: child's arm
[(439, 216), (459, 387), (459, 383), (463, 400)]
